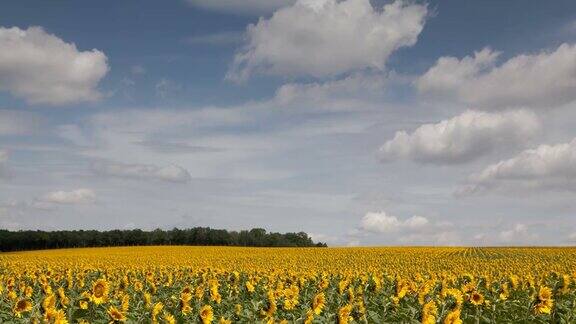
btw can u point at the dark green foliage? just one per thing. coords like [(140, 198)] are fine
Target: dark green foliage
[(36, 240)]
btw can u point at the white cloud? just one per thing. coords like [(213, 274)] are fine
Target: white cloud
[(242, 7), (132, 121), (380, 222), (438, 237), (462, 138), (518, 234), (74, 197), (416, 222), (352, 93), (319, 237), (541, 80), (170, 173), (323, 38), (43, 69), (546, 167), (14, 122), (353, 243)]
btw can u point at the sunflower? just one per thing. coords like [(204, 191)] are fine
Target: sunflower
[(185, 298), (206, 314), (476, 298), (138, 286), (504, 293), (156, 310), (28, 291), (116, 315), (22, 306), (238, 309), (544, 293), (214, 294), (147, 299), (169, 319), (545, 301), (224, 321), (125, 303), (453, 317), (309, 317), (49, 303), (344, 314), (55, 316), (429, 313), (63, 299), (318, 303), (544, 307), (249, 287), (83, 304), (271, 309), (100, 291)]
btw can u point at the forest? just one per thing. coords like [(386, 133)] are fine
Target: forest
[(202, 236)]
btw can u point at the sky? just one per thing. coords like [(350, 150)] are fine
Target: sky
[(359, 122)]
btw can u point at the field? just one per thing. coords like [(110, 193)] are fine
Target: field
[(275, 285)]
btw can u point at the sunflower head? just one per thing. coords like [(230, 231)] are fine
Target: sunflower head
[(544, 307), (157, 309), (55, 316), (169, 319), (224, 321), (49, 303), (545, 293), (100, 290), (206, 314), (116, 315), (476, 298), (318, 303), (344, 314), (453, 317), (21, 306)]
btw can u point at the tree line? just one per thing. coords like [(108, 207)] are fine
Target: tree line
[(258, 237)]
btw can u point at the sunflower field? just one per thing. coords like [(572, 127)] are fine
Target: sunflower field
[(173, 284)]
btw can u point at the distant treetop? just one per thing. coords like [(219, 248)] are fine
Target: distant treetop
[(258, 237)]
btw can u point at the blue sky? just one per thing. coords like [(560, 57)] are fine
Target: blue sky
[(423, 122)]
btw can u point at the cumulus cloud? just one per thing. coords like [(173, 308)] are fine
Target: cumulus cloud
[(249, 7), (323, 38), (545, 79), (546, 167), (170, 173), (43, 69), (518, 234), (462, 138), (74, 197), (380, 222)]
